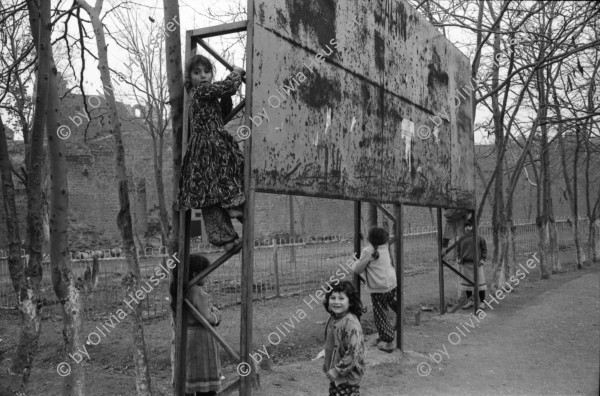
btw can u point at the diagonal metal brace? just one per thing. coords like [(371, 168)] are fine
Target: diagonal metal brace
[(385, 212), (230, 388), (235, 110), (212, 330), (216, 55), (449, 266), (218, 262)]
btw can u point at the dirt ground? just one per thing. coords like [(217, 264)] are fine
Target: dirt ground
[(544, 338)]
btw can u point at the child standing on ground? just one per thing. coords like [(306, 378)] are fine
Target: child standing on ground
[(380, 279), (344, 342), (466, 259), (203, 366), (212, 170)]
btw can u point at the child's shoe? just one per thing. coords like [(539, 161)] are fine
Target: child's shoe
[(386, 346), (229, 246), (236, 213), (468, 305)]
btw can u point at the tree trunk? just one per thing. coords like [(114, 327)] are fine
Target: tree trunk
[(30, 319), (10, 211), (132, 280), (594, 240), (581, 258), (542, 239), (501, 268), (571, 190), (175, 85), (26, 278), (548, 222), (160, 188), (66, 286)]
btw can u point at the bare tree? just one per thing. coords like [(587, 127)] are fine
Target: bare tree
[(66, 286), (571, 183), (147, 76), (26, 277), (174, 70), (132, 280)]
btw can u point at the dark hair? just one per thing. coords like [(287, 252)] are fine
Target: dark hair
[(191, 64), (468, 223), (198, 263), (377, 236), (346, 287)]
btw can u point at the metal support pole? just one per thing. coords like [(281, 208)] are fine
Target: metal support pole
[(248, 228), (182, 313), (476, 264), (399, 276), (357, 247), (440, 262), (183, 270)]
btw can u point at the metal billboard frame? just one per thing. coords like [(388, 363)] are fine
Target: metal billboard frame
[(244, 382)]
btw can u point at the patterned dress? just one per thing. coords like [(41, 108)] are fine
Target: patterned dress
[(212, 170), (203, 365)]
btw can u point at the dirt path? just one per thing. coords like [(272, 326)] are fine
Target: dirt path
[(542, 339)]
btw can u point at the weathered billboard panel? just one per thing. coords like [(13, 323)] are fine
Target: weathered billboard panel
[(358, 100)]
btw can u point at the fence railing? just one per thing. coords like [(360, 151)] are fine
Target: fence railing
[(281, 267)]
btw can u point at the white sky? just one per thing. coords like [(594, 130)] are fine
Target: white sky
[(190, 18)]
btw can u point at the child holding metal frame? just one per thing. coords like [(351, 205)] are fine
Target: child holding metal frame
[(212, 170), (380, 279)]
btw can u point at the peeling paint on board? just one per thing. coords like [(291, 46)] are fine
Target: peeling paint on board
[(317, 16), (379, 51), (408, 131)]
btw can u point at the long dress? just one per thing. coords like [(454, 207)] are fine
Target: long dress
[(212, 169), (203, 365)]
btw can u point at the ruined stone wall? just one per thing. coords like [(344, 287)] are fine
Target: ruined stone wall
[(94, 201)]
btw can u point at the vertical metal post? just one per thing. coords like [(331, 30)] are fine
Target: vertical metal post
[(248, 228), (357, 247), (183, 270), (440, 264), (399, 276), (182, 313), (276, 267), (476, 264), (292, 231)]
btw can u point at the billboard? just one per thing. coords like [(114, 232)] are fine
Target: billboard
[(360, 100)]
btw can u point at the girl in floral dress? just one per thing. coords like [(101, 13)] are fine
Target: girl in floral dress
[(212, 169)]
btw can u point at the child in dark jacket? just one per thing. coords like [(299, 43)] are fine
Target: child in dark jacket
[(344, 342), (466, 258)]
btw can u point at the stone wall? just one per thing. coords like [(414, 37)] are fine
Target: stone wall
[(94, 201)]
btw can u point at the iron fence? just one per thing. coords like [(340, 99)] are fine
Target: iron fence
[(281, 267)]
